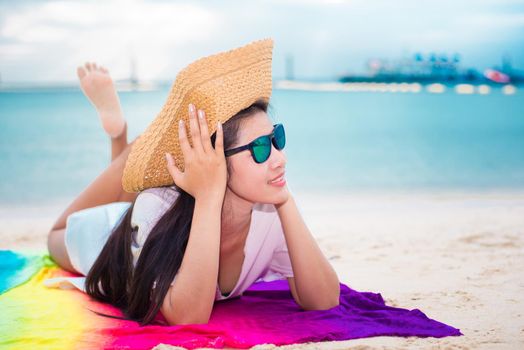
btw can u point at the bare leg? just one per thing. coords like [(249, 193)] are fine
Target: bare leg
[(99, 89), (57, 249), (119, 143), (106, 188)]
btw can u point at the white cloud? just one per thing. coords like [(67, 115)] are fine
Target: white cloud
[(47, 40), (111, 33)]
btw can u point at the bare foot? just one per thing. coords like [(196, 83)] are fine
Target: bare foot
[(98, 86)]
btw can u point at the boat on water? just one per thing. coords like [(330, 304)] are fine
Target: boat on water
[(432, 69)]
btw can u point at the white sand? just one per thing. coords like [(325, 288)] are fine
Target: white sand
[(458, 257)]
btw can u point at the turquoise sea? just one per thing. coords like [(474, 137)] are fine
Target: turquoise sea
[(52, 144)]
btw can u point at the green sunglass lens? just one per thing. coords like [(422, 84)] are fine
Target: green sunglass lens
[(280, 137), (261, 149)]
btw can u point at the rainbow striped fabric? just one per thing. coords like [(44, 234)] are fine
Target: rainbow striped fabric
[(34, 316)]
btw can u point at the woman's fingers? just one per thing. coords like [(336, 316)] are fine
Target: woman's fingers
[(204, 132), (175, 173), (195, 129), (182, 139), (199, 134), (219, 140)]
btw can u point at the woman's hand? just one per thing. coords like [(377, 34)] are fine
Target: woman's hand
[(205, 172)]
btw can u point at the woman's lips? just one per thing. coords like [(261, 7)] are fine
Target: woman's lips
[(281, 181)]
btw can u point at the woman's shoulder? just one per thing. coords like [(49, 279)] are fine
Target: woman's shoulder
[(150, 205), (153, 202), (165, 193)]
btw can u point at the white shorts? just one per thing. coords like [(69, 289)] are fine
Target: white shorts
[(87, 231)]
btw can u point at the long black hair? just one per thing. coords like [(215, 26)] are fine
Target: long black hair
[(113, 279)]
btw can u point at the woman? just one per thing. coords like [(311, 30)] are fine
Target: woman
[(224, 220)]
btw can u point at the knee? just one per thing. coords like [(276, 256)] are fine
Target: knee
[(57, 249), (128, 148), (53, 241), (120, 160)]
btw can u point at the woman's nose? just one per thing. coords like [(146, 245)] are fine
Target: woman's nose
[(277, 157)]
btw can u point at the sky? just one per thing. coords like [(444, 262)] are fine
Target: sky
[(44, 41)]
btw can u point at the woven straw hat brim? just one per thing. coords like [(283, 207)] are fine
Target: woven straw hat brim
[(222, 85)]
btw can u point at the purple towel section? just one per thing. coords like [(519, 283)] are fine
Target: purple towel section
[(267, 314), (269, 308)]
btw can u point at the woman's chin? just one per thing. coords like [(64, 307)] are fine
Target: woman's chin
[(279, 196)]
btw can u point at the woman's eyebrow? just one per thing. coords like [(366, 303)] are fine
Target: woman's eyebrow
[(267, 133)]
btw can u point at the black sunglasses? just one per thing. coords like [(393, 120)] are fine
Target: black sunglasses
[(261, 146)]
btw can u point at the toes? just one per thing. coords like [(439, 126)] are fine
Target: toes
[(81, 72), (103, 69), (94, 66), (88, 66)]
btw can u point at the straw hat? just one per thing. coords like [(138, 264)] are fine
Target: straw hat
[(222, 85)]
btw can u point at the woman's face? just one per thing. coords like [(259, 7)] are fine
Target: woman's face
[(250, 180)]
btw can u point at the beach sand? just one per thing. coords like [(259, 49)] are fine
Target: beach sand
[(458, 257)]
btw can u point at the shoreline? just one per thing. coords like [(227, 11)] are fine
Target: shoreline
[(52, 205)]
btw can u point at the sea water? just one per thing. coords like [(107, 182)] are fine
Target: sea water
[(52, 145)]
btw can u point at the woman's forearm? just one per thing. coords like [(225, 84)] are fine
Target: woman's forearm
[(192, 295), (316, 281)]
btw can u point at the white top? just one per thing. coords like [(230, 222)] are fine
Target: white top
[(266, 256), (265, 252)]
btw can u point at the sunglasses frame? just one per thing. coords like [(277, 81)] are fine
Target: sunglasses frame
[(249, 146)]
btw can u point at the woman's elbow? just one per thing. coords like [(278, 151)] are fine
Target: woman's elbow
[(189, 320), (183, 317), (333, 303), (179, 320), (324, 305)]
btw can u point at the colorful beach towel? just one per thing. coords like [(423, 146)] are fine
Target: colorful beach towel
[(34, 316)]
